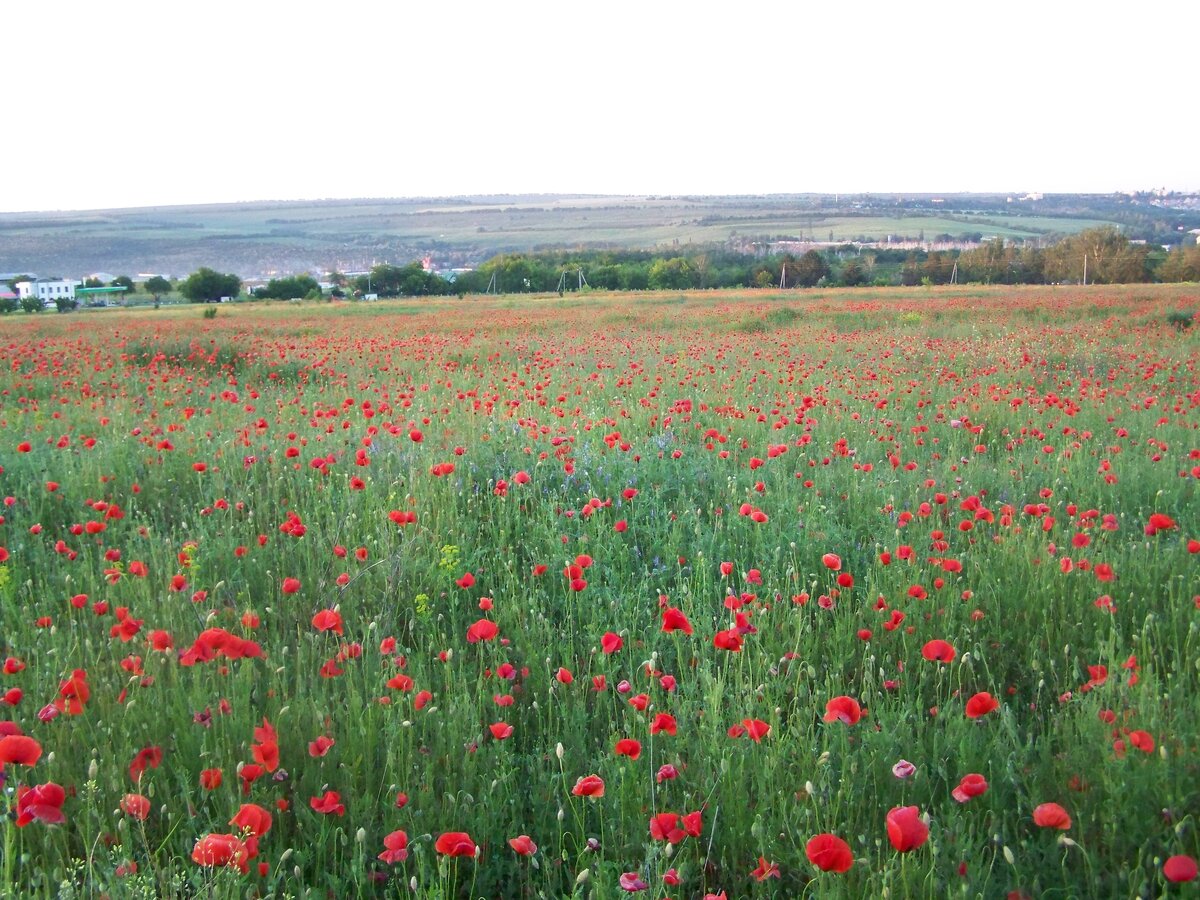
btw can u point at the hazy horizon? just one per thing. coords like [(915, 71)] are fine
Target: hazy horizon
[(169, 105)]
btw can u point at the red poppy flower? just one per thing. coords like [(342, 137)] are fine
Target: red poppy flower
[(665, 827), (972, 785), (220, 850), (500, 730), (628, 747), (981, 704), (17, 749), (756, 729), (1051, 815), (320, 746), (135, 805), (328, 620), (832, 561), (210, 779), (589, 786), (611, 642), (329, 803), (146, 758), (395, 847), (939, 651), (42, 802), (905, 829), (291, 585), (674, 620), (523, 845), (829, 853), (663, 722), (843, 709), (631, 882), (483, 630), (455, 843), (1179, 869), (252, 818), (765, 870)]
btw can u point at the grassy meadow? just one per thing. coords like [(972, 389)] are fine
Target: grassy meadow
[(865, 593)]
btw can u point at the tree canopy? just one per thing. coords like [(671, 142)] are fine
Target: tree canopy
[(208, 286)]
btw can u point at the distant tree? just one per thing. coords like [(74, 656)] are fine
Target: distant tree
[(32, 304), (65, 304), (337, 279), (9, 304), (123, 281), (1181, 264), (157, 286), (852, 274), (288, 288), (92, 282), (207, 286), (17, 279), (810, 268), (1108, 255)]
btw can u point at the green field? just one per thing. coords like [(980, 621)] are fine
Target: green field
[(265, 238)]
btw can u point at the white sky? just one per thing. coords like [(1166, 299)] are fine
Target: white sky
[(130, 103)]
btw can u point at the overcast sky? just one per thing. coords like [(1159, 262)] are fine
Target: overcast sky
[(127, 103)]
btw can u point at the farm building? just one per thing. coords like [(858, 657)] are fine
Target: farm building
[(47, 289)]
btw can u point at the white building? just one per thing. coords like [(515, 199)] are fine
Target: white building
[(47, 289)]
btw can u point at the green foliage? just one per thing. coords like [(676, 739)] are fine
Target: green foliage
[(123, 281), (32, 304), (1181, 319), (65, 304), (9, 304), (289, 288), (157, 286), (210, 313), (402, 281), (208, 286)]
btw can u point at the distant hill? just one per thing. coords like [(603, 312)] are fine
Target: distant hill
[(261, 239)]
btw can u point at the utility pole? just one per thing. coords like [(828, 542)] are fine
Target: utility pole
[(783, 277), (1085, 269)]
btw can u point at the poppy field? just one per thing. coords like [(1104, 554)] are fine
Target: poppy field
[(872, 593)]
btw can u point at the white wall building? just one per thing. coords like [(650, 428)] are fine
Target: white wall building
[(47, 290)]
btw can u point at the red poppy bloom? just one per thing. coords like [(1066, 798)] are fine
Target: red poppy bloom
[(832, 561), (1179, 869), (589, 786), (455, 843), (829, 853), (210, 779), (219, 850), (329, 803), (939, 651), (972, 785), (395, 847), (328, 620), (523, 845), (611, 642), (483, 630), (320, 746), (17, 749), (135, 805), (500, 730), (42, 802), (756, 729), (765, 870), (252, 818), (674, 620), (665, 827), (981, 704), (291, 585), (843, 709), (663, 722), (1051, 815), (146, 758), (905, 829), (628, 747)]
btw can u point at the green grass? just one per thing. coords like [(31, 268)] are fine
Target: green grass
[(898, 411)]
